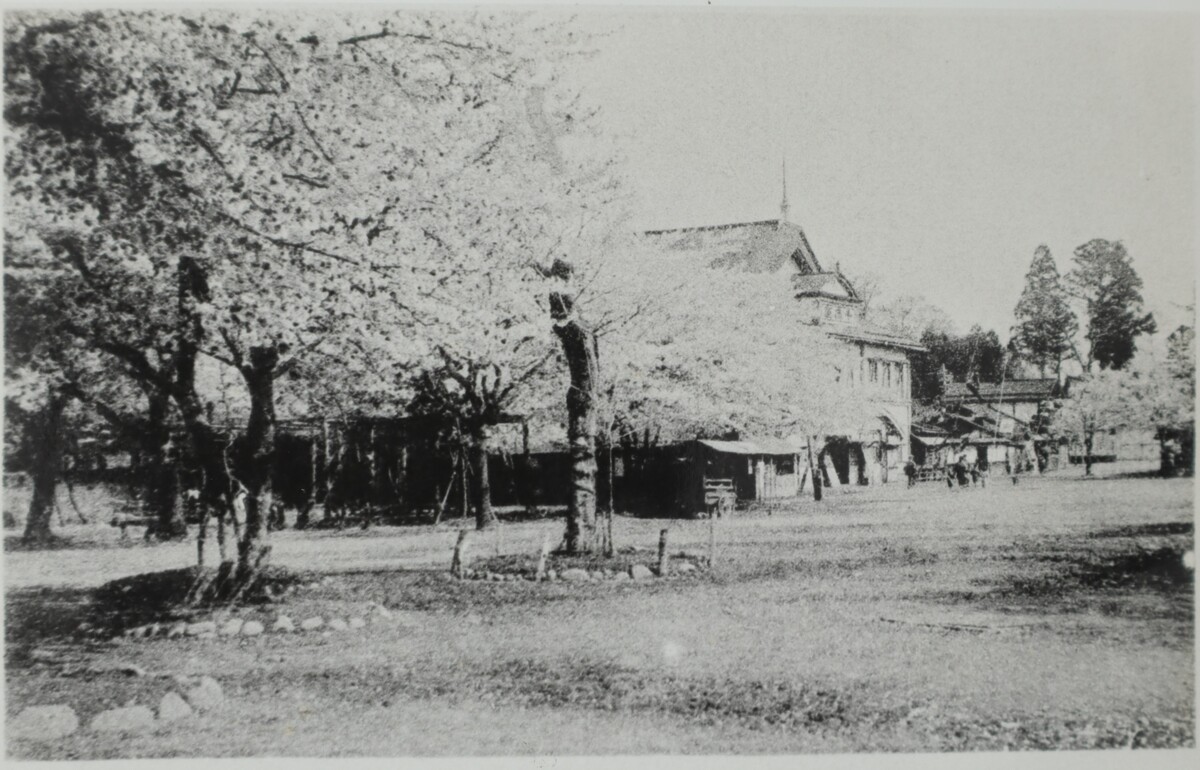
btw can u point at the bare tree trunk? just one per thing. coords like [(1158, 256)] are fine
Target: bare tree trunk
[(258, 459), (47, 468), (481, 486), (169, 522), (579, 348), (1088, 443), (814, 473)]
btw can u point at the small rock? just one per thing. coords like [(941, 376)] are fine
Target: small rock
[(177, 630), (575, 574), (130, 719), (685, 567), (252, 628), (382, 611), (551, 574), (152, 629), (357, 622), (84, 627), (622, 576), (640, 572), (337, 624), (43, 723), (311, 624), (231, 627), (173, 707), (42, 655), (283, 624), (206, 695), (204, 627)]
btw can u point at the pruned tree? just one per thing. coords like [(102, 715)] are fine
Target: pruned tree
[(1046, 325)]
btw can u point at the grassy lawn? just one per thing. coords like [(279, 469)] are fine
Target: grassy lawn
[(1053, 614)]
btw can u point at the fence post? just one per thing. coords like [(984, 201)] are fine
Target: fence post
[(712, 538), (541, 565), (662, 553)]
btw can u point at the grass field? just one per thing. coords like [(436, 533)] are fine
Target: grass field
[(1054, 614)]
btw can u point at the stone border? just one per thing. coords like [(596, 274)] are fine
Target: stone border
[(636, 572), (221, 625), (52, 722)]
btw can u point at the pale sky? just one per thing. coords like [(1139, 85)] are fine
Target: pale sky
[(936, 149)]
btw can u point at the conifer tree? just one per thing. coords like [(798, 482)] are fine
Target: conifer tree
[(1046, 325), (1104, 278)]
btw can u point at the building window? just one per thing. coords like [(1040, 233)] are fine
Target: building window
[(900, 376), (887, 374), (874, 370)]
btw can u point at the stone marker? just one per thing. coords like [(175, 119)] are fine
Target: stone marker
[(231, 627), (337, 624), (357, 622), (575, 574), (129, 719), (173, 707), (640, 572), (206, 695), (204, 627), (284, 624), (311, 624), (43, 723), (252, 628)]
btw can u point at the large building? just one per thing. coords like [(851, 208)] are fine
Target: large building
[(876, 374)]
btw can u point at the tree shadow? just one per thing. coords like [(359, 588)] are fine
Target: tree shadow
[(33, 615)]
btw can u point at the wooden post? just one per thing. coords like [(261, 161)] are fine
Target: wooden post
[(712, 537), (662, 553), (459, 564), (541, 565)]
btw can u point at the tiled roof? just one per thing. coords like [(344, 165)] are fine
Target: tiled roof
[(1011, 390), (757, 247)]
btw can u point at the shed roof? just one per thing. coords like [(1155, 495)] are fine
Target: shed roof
[(1010, 390), (878, 337), (761, 446)]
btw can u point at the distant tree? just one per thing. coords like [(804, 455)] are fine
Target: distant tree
[(1105, 401), (1046, 325), (1103, 278), (976, 356), (911, 316), (1170, 394)]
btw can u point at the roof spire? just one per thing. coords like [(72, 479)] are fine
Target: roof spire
[(783, 205)]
